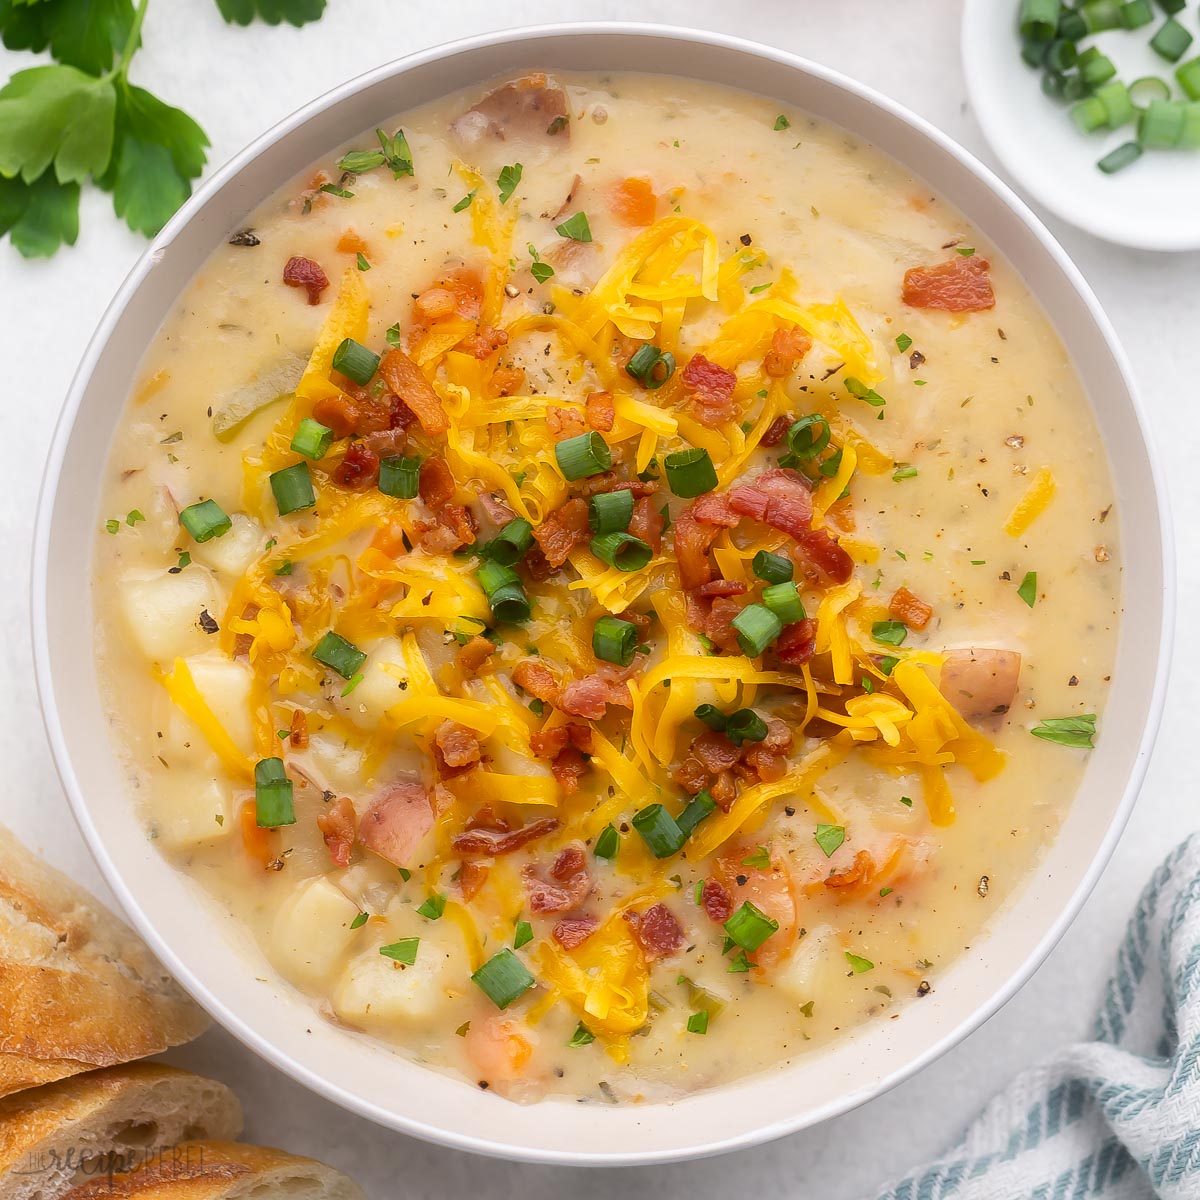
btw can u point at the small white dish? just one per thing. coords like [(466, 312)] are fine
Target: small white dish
[(214, 957), (1152, 205)]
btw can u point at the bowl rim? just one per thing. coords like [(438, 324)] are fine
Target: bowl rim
[(480, 1142)]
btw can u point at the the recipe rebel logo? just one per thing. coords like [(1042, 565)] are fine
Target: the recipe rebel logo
[(166, 1162)]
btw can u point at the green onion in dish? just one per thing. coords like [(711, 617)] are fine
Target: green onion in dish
[(745, 725), (503, 978), (400, 476), (749, 927), (1188, 76), (614, 640), (511, 544), (756, 627), (783, 599), (1038, 19), (622, 550), (582, 456), (808, 436), (205, 521), (1123, 156), (1171, 41), (356, 362), (293, 489), (608, 842), (272, 795), (690, 472), (610, 512), (1149, 88), (1099, 15), (1135, 14), (700, 806), (339, 655), (312, 439), (659, 831), (1160, 125), (772, 568), (712, 716), (650, 366)]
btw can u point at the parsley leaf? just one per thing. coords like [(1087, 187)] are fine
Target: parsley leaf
[(760, 859), (508, 180), (576, 228), (87, 34), (40, 216), (295, 12), (859, 964), (59, 116), (1028, 589), (829, 838), (1068, 731), (891, 633)]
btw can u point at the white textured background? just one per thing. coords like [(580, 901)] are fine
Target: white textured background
[(238, 82)]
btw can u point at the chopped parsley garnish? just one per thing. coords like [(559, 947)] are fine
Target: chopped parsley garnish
[(393, 335), (359, 921), (541, 271), (890, 633), (903, 342), (904, 471), (858, 964), (404, 951), (698, 1022), (582, 1036), (829, 838), (860, 391), (332, 189), (1068, 731), (112, 525), (1028, 589), (465, 202), (523, 935), (508, 180), (781, 123), (433, 907), (760, 860), (363, 263), (576, 228), (906, 801)]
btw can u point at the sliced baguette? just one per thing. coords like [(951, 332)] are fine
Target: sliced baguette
[(66, 1133), (77, 988), (224, 1171)]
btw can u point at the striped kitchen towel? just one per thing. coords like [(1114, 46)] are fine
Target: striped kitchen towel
[(1116, 1118)]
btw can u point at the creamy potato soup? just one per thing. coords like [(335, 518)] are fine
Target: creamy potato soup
[(611, 580)]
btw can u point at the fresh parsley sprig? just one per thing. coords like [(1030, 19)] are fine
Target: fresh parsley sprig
[(81, 119)]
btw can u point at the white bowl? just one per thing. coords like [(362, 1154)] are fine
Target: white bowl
[(212, 955)]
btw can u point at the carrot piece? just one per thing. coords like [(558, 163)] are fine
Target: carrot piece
[(258, 842), (633, 202), (351, 243), (910, 609)]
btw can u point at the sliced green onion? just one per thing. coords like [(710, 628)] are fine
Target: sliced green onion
[(659, 830), (1075, 89), (511, 543), (622, 550), (1095, 68), (1135, 14), (1120, 158), (1032, 51), (1171, 41), (1061, 55), (293, 489), (749, 927), (1038, 19), (204, 521), (510, 604), (503, 978), (403, 951), (522, 935), (272, 794), (356, 362), (1189, 135), (745, 725), (607, 843), (1161, 125), (808, 436), (1071, 25), (1099, 15), (650, 366), (1188, 75), (611, 512), (712, 716), (772, 568), (698, 1022), (1054, 85), (690, 472), (400, 476), (339, 655), (1089, 114), (312, 439), (614, 640), (1118, 107), (757, 627), (1150, 87), (579, 457), (1171, 7), (890, 633), (783, 599), (701, 805)]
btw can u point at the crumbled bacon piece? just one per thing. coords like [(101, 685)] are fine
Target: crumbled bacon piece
[(779, 736), (721, 587), (568, 768), (471, 877), (534, 565), (823, 552), (647, 523), (779, 498), (571, 932), (298, 733), (724, 790), (459, 521), (405, 379), (547, 743), (860, 871), (488, 843), (692, 541), (564, 423), (610, 481), (507, 380), (436, 483), (797, 643), (910, 609), (387, 442), (710, 389), (563, 530), (590, 696), (484, 342), (776, 431), (691, 775), (435, 303), (768, 765), (359, 469), (567, 888), (718, 626), (306, 274), (716, 751), (339, 825), (715, 509), (599, 410), (339, 412), (656, 930), (537, 679), (716, 901), (788, 347), (458, 744), (475, 653), (961, 284)]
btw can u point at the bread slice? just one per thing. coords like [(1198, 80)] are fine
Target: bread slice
[(224, 1171), (61, 1134), (77, 988)]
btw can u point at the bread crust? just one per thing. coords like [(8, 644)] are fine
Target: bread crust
[(78, 989)]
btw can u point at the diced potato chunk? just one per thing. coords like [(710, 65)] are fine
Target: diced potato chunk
[(225, 686), (311, 932), (380, 689), (811, 967), (197, 811), (375, 991), (162, 611), (232, 553)]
